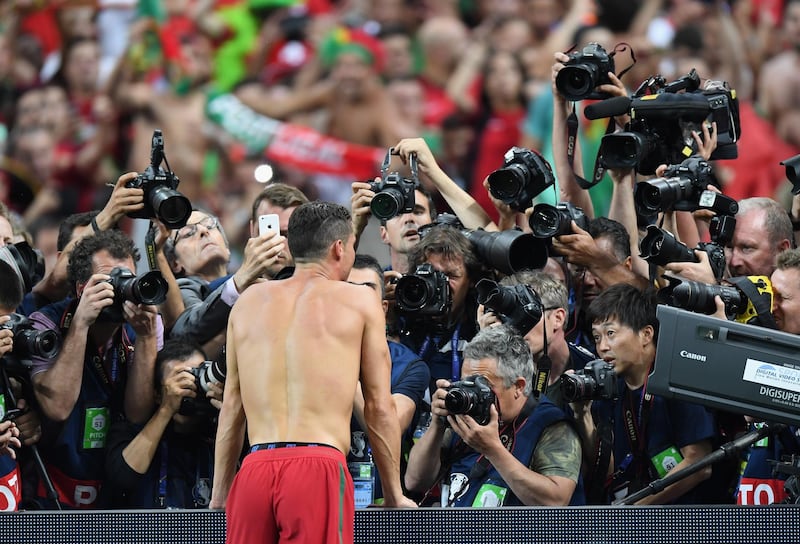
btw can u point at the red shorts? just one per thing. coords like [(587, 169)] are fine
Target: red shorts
[(295, 494)]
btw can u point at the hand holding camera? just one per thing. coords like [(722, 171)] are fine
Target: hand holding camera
[(360, 204), (142, 317), (9, 439), (260, 253), (97, 294), (124, 200), (178, 385)]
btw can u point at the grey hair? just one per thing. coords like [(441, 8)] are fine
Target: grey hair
[(509, 349)]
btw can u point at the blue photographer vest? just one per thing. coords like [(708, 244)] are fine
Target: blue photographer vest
[(75, 459), (494, 491)]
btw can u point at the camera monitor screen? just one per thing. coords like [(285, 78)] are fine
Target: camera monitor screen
[(727, 365)]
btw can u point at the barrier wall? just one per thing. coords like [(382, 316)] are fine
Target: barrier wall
[(601, 525)]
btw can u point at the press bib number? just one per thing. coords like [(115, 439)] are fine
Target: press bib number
[(95, 428), (490, 495), (666, 460)]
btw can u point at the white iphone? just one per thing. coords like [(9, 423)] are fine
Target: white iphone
[(267, 223)]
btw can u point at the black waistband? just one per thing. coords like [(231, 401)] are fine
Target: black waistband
[(277, 445)]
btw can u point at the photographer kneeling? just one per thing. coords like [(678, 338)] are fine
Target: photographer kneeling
[(509, 448)]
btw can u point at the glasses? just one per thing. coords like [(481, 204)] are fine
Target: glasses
[(189, 230)]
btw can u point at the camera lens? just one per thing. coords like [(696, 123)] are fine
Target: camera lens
[(576, 82), (506, 183), (652, 196), (386, 204), (459, 401), (412, 292), (149, 288), (660, 247), (547, 221), (623, 149), (29, 342), (170, 207)]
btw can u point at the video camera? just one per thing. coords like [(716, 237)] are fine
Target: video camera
[(147, 288), (394, 194), (727, 365), (472, 396), (547, 221), (662, 123), (523, 176), (508, 251), (660, 247), (29, 342), (161, 199), (585, 70), (597, 381), (516, 305), (425, 293)]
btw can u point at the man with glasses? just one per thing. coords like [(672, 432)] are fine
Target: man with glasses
[(198, 254)]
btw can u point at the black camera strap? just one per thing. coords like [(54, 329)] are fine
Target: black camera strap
[(150, 245), (762, 304), (543, 366)]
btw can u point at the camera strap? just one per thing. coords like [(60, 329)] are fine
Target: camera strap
[(150, 245), (542, 367), (572, 140), (761, 303)]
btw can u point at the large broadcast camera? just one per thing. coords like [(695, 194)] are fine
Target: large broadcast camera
[(597, 381), (727, 365), (662, 123), (517, 306), (547, 221), (585, 70), (508, 251), (523, 176), (148, 288), (684, 188), (472, 396), (699, 297), (29, 342), (161, 198), (425, 293), (660, 247), (394, 194)]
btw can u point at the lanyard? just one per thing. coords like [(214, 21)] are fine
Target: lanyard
[(636, 425), (455, 361)]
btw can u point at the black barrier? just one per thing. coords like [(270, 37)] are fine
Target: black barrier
[(777, 524)]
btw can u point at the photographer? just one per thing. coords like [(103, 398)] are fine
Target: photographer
[(638, 437), (169, 461), (105, 366), (525, 453)]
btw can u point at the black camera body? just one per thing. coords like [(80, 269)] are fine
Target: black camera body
[(522, 177), (425, 293), (147, 288), (205, 374), (394, 194), (516, 305), (29, 342), (660, 247), (661, 126), (597, 381), (161, 198), (547, 221), (682, 188), (585, 70), (699, 297), (472, 396)]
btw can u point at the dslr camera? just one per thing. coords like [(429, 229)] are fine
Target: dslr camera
[(147, 288), (585, 70), (471, 396), (522, 177), (516, 305), (205, 374), (425, 293), (662, 123), (29, 342), (161, 198), (394, 194), (683, 188), (548, 221), (597, 381)]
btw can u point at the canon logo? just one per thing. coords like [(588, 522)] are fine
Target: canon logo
[(695, 356)]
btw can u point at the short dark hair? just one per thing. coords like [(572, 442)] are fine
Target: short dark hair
[(448, 242), (10, 287), (629, 305), (369, 262), (278, 194), (617, 234), (68, 227), (314, 226), (118, 245), (179, 348)]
